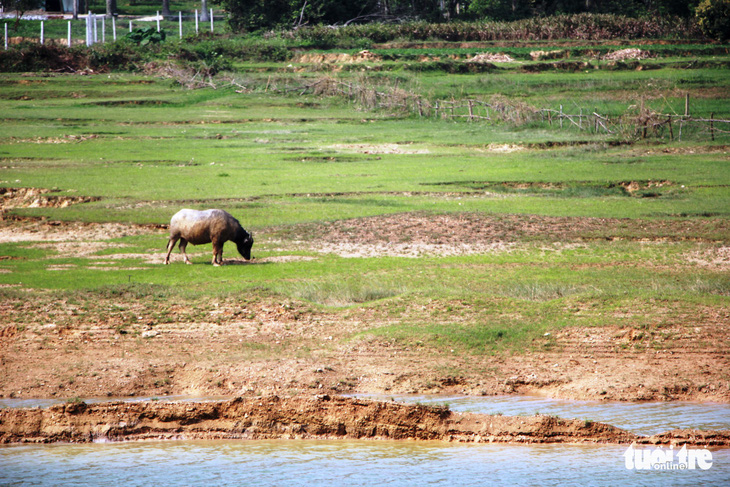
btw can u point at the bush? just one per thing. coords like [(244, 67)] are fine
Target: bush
[(118, 55), (37, 57), (148, 35), (713, 18)]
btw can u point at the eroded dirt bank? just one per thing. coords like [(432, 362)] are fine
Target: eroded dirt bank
[(322, 416)]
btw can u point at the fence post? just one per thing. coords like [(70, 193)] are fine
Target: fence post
[(103, 29), (211, 20), (6, 36), (196, 22), (130, 26), (179, 22), (114, 28), (686, 105), (88, 29), (580, 120), (69, 33), (96, 29), (157, 18), (671, 131), (561, 116), (42, 32), (471, 111)]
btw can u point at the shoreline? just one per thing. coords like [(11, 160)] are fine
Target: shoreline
[(314, 417)]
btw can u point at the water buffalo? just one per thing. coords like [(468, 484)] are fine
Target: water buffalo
[(201, 227)]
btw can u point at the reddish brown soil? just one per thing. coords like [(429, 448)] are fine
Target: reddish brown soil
[(310, 417), (121, 345)]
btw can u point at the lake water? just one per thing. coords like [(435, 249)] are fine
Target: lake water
[(353, 463)]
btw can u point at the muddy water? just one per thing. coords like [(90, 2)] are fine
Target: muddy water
[(346, 463), (319, 462)]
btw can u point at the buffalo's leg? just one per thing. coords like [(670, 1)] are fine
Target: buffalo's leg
[(183, 244), (170, 245), (217, 254)]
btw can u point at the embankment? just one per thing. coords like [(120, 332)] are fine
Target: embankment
[(322, 417)]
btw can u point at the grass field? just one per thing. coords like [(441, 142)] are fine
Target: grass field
[(581, 229)]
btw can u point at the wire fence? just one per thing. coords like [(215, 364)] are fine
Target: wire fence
[(640, 122)]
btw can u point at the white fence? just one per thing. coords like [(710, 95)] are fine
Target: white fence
[(96, 25)]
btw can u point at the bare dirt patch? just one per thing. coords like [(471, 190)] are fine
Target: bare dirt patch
[(378, 149), (490, 58), (336, 58), (413, 234), (625, 54), (714, 258), (37, 198), (36, 230)]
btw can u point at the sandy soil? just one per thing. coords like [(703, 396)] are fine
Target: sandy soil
[(77, 348)]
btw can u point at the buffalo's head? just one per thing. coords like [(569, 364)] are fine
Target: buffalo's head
[(244, 245)]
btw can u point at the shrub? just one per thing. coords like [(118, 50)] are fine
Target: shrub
[(148, 35), (117, 55), (37, 57), (713, 18)]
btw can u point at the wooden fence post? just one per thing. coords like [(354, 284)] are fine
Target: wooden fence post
[(671, 132), (580, 120), (561, 116)]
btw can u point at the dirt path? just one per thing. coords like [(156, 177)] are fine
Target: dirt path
[(321, 416)]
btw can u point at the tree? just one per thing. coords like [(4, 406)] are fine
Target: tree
[(20, 7), (501, 9), (111, 7), (268, 14), (165, 8), (204, 11), (713, 17)]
